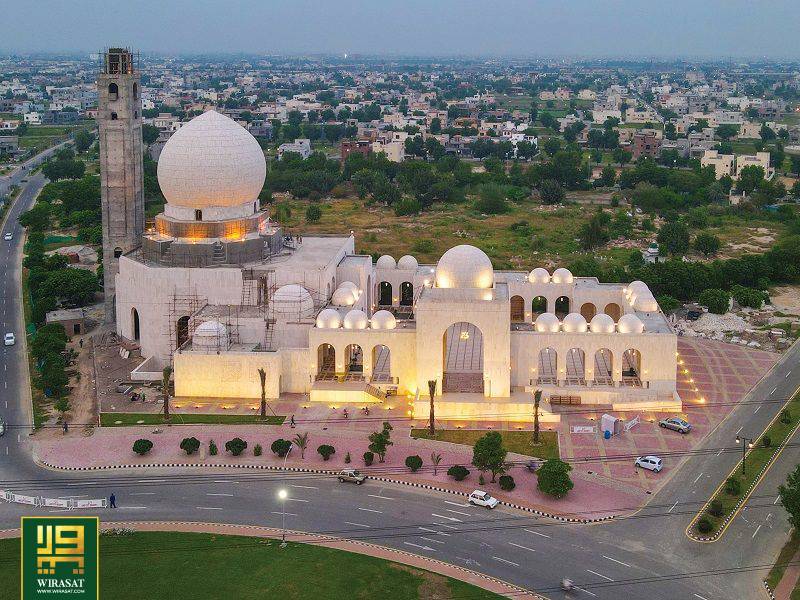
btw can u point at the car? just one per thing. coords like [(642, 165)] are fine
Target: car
[(2, 427), (533, 465), (481, 498), (8, 237), (9, 339), (352, 475), (651, 463), (676, 424)]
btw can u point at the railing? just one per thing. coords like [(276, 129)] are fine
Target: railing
[(375, 392)]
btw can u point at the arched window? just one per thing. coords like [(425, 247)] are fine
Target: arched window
[(632, 368), (136, 114), (462, 358), (547, 369), (385, 294), (538, 306), (113, 91), (381, 364), (326, 363), (603, 367), (135, 324), (198, 215), (588, 310), (113, 116), (135, 91), (613, 310), (562, 307), (117, 252), (576, 367), (517, 309), (354, 362), (406, 293), (182, 331)]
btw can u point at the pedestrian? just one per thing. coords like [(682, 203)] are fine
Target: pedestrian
[(292, 421), (112, 500), (80, 342), (66, 427)]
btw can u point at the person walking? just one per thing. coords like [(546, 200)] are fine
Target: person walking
[(291, 421), (66, 427), (112, 501)]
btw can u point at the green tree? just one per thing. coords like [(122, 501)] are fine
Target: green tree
[(674, 237), (150, 134), (83, 140), (414, 463), (727, 131), (715, 299), (537, 398), (707, 243), (789, 493), (488, 454), (379, 441), (281, 447), (326, 451), (458, 472), (491, 200), (553, 478), (551, 191), (313, 213), (750, 178), (166, 374), (236, 446), (190, 445), (608, 176), (142, 446)]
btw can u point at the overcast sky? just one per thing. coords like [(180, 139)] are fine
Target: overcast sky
[(629, 28)]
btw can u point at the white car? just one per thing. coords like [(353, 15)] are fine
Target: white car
[(8, 237), (481, 498), (9, 339), (651, 463)]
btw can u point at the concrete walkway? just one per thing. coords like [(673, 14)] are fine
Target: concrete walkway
[(788, 582)]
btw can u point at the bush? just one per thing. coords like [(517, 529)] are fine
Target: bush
[(766, 441), (281, 447), (142, 447), (551, 191), (507, 483), (458, 472), (257, 450), (733, 487), (786, 416), (716, 300), (190, 445), (553, 478), (313, 213), (368, 458), (715, 508), (704, 525), (235, 446), (414, 463), (407, 206), (347, 458), (326, 451), (212, 448)]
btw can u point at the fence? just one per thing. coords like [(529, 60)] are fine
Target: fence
[(64, 503)]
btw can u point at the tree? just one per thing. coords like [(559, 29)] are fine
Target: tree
[(727, 131), (707, 243), (313, 213), (608, 176), (594, 232), (326, 451), (414, 463), (83, 140), (458, 472), (674, 237), (262, 376), (488, 454), (750, 178), (492, 200), (553, 478), (301, 441), (551, 191), (379, 441), (507, 483), (537, 398), (435, 460), (621, 156), (236, 446), (142, 446), (166, 373), (190, 445), (716, 300), (790, 496), (62, 406), (150, 134), (431, 393), (281, 447)]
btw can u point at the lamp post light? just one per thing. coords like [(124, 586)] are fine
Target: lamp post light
[(747, 444), (282, 496)]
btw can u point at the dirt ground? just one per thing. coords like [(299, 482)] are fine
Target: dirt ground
[(786, 299)]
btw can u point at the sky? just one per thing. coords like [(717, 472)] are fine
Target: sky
[(520, 28)]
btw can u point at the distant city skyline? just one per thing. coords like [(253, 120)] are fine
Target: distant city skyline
[(507, 28)]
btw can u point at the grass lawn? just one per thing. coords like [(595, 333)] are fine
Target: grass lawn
[(787, 552), (128, 419), (169, 565), (514, 441), (757, 457)]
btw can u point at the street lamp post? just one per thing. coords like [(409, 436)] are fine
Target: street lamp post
[(282, 495), (747, 444)]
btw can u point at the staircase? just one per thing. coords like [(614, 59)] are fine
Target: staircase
[(375, 392), (217, 254)]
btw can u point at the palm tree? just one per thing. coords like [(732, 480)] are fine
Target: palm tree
[(301, 441), (432, 393), (262, 374), (165, 376), (435, 460), (537, 397)]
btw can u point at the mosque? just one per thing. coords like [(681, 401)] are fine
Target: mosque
[(218, 290)]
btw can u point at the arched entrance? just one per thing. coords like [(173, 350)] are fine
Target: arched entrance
[(548, 366), (406, 293), (632, 368), (354, 363), (562, 307), (135, 324), (517, 309), (588, 311), (538, 306), (326, 363), (603, 367), (613, 310), (385, 294), (381, 364), (182, 331), (576, 367), (462, 352)]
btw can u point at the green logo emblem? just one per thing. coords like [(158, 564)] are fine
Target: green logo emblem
[(59, 557)]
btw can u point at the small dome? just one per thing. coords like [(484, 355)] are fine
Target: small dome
[(383, 319), (547, 323), (574, 323), (561, 275), (210, 335), (355, 319), (386, 262), (630, 324), (645, 303), (539, 275), (407, 263), (329, 319), (293, 299), (211, 161), (345, 295), (601, 323), (464, 266), (636, 288)]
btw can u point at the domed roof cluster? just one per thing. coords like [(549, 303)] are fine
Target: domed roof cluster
[(464, 266), (540, 275), (355, 319), (347, 294), (330, 318), (406, 263), (641, 298), (576, 323), (211, 161)]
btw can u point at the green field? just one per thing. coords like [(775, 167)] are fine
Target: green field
[(128, 419), (520, 442), (177, 566)]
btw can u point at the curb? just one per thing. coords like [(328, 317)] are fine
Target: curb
[(770, 593), (424, 486)]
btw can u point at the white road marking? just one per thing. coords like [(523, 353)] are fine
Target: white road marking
[(599, 575), (458, 512), (207, 508), (757, 409), (224, 481), (134, 494), (137, 507), (756, 531), (448, 526), (787, 375), (381, 497), (358, 524), (775, 389), (536, 533), (212, 494), (701, 597), (372, 510), (697, 478), (464, 504), (305, 487), (434, 531), (738, 430), (420, 547), (83, 496), (297, 500), (446, 517), (521, 546), (586, 591), (673, 507), (503, 560), (776, 500), (427, 539), (275, 512), (617, 561)]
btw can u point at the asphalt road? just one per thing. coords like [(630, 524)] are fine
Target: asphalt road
[(644, 556)]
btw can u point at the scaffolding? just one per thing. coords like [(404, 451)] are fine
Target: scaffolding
[(181, 323)]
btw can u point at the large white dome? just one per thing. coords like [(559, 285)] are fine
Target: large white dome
[(464, 266), (383, 319), (329, 318), (356, 319), (602, 323), (210, 335), (293, 300), (211, 161), (539, 275), (574, 323)]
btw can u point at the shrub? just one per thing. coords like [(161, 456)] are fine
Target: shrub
[(507, 483), (190, 445), (407, 206), (142, 447), (553, 478), (733, 487), (766, 441), (257, 450), (313, 213), (414, 463), (368, 458), (704, 525), (281, 447), (458, 472), (212, 448), (716, 300), (326, 451), (347, 458), (235, 446), (786, 416), (551, 191), (715, 508)]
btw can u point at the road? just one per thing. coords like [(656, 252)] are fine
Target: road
[(644, 556)]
